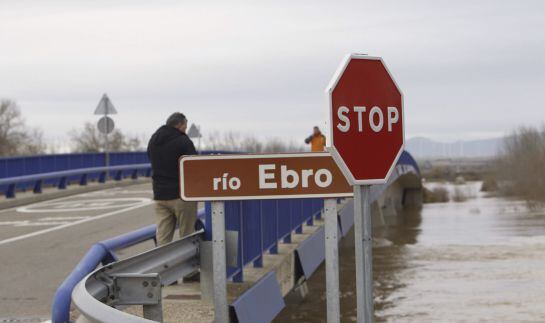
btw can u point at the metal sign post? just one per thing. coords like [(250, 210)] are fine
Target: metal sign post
[(106, 148), (364, 254), (332, 261), (105, 124), (221, 311)]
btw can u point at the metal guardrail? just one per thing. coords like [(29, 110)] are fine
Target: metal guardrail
[(136, 281), (82, 173), (103, 253)]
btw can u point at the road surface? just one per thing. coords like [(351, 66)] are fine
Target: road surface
[(41, 243)]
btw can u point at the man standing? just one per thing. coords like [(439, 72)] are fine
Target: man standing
[(316, 140), (165, 147)]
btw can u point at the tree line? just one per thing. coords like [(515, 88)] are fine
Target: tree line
[(520, 166), (17, 138)]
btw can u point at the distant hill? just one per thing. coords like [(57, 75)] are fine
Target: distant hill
[(421, 147)]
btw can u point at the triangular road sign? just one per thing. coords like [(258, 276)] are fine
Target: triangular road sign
[(194, 132), (105, 106)]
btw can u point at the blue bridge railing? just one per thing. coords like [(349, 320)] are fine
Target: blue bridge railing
[(261, 225), (61, 179), (35, 172)]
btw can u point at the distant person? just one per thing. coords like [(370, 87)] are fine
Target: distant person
[(316, 140), (165, 147)]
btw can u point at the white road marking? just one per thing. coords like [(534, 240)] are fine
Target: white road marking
[(82, 205), (28, 223), (108, 191), (93, 218), (112, 191), (63, 218), (49, 221), (42, 224), (12, 223)]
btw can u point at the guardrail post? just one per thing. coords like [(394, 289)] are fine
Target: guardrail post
[(221, 311), (38, 186), (134, 174), (10, 192), (274, 248), (310, 220), (102, 177), (239, 276), (83, 180), (332, 261), (299, 214), (258, 263), (118, 175), (62, 183)]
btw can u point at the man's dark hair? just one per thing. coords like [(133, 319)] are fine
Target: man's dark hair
[(175, 119)]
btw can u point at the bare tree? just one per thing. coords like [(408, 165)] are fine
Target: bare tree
[(521, 161), (235, 141), (16, 138), (89, 139)]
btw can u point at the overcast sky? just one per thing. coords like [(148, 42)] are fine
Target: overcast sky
[(468, 69)]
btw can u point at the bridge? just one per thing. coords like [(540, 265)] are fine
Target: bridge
[(71, 227)]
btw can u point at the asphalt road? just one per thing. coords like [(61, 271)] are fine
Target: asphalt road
[(41, 243)]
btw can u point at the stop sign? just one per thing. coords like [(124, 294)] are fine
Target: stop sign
[(366, 119)]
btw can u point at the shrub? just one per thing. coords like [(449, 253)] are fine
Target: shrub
[(436, 195)]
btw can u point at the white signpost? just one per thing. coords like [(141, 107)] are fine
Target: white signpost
[(105, 124)]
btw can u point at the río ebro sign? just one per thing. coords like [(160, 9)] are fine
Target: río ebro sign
[(271, 176)]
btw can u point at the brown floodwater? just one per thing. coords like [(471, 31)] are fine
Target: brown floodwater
[(481, 260)]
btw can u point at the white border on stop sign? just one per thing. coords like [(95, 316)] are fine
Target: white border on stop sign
[(334, 153)]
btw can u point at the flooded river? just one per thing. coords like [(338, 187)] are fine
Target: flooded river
[(478, 260)]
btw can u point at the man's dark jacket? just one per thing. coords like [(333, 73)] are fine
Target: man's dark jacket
[(164, 150)]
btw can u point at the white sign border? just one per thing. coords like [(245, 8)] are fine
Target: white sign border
[(252, 197), (334, 153)]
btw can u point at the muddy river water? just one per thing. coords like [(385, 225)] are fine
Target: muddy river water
[(481, 260)]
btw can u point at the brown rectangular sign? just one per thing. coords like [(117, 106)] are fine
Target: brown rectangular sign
[(274, 176)]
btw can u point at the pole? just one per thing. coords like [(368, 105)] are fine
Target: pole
[(332, 261), (221, 313), (106, 153), (364, 254)]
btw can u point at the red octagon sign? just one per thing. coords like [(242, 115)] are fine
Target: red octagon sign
[(366, 119)]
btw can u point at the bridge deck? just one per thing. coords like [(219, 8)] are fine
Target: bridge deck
[(41, 243)]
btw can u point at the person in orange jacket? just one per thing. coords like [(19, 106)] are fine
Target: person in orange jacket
[(316, 140)]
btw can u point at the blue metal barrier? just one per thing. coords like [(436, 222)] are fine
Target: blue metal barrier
[(100, 253), (261, 224), (34, 172), (81, 175)]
